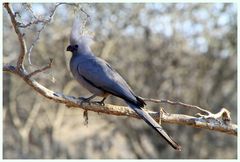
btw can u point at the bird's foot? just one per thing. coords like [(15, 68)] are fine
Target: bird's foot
[(85, 100), (99, 102)]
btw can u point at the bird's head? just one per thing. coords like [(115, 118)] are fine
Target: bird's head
[(72, 48), (79, 41)]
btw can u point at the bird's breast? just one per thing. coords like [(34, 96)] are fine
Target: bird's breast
[(75, 69)]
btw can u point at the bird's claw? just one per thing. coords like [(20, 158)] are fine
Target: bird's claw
[(88, 101), (101, 103), (84, 100)]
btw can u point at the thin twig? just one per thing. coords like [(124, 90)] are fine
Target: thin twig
[(176, 103), (88, 16), (31, 23), (42, 69), (33, 44), (39, 31), (29, 8)]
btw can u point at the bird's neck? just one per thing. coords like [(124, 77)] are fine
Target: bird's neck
[(84, 48), (82, 51)]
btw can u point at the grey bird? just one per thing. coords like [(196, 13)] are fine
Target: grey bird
[(98, 77)]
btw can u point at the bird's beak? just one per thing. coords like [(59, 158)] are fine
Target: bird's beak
[(69, 48)]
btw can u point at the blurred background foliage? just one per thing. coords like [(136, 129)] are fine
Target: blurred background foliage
[(182, 52)]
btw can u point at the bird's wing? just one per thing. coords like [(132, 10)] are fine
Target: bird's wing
[(101, 75)]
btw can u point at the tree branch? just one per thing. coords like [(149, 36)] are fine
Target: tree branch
[(20, 37), (216, 124), (224, 114)]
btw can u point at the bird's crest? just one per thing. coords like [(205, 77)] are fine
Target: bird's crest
[(79, 36)]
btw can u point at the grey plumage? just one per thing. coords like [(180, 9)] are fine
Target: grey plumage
[(101, 79)]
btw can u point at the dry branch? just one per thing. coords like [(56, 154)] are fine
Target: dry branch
[(211, 123), (20, 36), (218, 122), (177, 103), (42, 69)]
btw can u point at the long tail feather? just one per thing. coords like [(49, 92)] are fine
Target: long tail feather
[(151, 122)]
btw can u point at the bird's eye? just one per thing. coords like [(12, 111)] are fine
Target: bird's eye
[(76, 46)]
